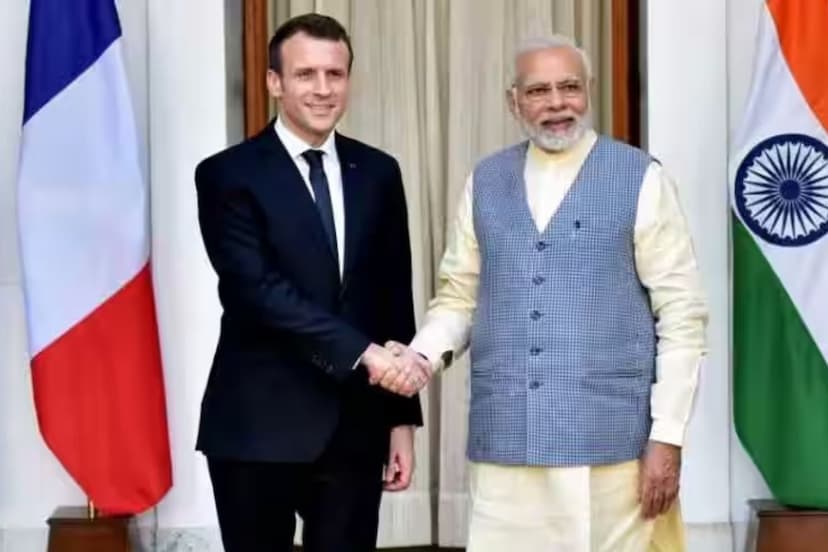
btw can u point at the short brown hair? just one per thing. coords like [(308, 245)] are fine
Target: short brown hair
[(312, 24)]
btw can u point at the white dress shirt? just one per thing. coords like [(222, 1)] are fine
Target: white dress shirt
[(295, 147)]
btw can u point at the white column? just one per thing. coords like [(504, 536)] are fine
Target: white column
[(32, 481), (742, 26), (187, 122), (687, 132)]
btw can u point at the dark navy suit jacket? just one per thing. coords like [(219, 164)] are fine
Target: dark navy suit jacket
[(282, 387)]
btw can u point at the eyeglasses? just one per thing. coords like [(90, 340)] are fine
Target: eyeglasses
[(539, 92)]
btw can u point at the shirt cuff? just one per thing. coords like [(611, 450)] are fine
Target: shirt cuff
[(430, 351), (673, 394), (359, 359), (442, 337), (668, 431)]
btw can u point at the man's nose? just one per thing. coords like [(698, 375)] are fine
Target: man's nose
[(555, 99), (322, 85)]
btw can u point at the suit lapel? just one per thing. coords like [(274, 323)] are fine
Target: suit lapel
[(284, 185), (353, 192)]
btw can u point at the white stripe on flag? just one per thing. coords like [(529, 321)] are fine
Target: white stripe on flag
[(82, 200)]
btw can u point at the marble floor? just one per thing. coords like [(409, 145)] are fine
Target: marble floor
[(717, 537)]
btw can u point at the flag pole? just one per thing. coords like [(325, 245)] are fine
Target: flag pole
[(90, 508)]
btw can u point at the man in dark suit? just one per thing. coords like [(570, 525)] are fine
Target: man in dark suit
[(307, 231)]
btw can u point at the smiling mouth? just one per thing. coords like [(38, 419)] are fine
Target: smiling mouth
[(558, 125), (323, 109)]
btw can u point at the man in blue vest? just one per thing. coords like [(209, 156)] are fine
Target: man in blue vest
[(571, 274)]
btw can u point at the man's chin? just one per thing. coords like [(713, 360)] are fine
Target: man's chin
[(559, 141), (553, 143), (323, 117), (323, 125)]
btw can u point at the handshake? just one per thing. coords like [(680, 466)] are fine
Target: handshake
[(397, 368)]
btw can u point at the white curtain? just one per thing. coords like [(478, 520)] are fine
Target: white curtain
[(429, 82)]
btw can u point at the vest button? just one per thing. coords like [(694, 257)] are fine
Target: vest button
[(534, 384), (535, 315), (540, 246)]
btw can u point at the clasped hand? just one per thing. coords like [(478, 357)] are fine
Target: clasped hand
[(397, 368)]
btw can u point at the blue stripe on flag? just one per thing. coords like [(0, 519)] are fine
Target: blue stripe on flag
[(65, 38)]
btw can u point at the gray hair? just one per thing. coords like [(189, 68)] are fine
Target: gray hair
[(554, 41)]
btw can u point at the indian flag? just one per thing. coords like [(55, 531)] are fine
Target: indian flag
[(779, 199)]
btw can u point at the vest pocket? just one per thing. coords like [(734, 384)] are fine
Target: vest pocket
[(629, 372), (488, 384), (620, 383)]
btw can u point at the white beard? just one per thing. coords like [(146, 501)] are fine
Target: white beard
[(552, 142)]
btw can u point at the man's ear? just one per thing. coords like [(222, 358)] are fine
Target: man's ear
[(511, 100), (274, 83)]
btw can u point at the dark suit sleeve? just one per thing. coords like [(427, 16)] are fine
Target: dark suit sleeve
[(399, 315), (232, 236)]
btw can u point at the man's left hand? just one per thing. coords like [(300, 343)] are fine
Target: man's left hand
[(658, 478), (400, 466)]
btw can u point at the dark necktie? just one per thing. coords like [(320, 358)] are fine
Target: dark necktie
[(319, 184)]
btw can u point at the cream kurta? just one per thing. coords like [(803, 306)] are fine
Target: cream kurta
[(574, 498)]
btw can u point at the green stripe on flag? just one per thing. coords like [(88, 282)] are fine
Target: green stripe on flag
[(780, 381)]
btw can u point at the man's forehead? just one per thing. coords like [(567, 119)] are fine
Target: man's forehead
[(302, 43), (314, 52), (530, 80), (554, 62)]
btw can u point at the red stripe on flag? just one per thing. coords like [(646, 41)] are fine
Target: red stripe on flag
[(99, 395)]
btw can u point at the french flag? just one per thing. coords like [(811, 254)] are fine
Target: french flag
[(83, 212)]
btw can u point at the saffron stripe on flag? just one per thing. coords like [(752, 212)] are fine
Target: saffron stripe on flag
[(802, 26)]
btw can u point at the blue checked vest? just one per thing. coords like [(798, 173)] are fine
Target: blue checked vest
[(563, 342)]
